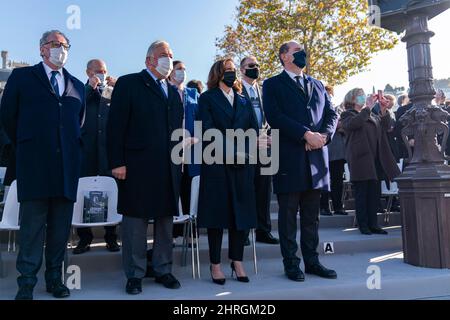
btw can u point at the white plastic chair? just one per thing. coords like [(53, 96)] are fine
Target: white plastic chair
[(390, 193), (105, 184), (189, 219), (10, 217)]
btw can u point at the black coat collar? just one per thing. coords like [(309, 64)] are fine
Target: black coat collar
[(291, 83), (152, 85), (234, 112)]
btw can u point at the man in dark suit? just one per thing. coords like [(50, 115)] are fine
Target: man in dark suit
[(263, 184), (145, 110), (95, 159), (42, 111), (298, 106)]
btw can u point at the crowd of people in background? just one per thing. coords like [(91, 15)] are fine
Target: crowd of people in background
[(55, 129)]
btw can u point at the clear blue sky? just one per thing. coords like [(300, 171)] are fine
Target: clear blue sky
[(120, 32)]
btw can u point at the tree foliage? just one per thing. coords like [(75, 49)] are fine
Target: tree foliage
[(337, 37)]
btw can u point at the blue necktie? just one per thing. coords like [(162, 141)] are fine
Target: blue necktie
[(162, 88), (54, 82)]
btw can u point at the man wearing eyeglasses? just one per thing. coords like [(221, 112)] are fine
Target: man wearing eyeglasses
[(250, 71), (42, 111)]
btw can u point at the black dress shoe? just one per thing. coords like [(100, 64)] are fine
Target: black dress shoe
[(82, 248), (58, 290), (378, 231), (168, 281), (340, 213), (112, 246), (266, 237), (325, 212), (319, 270), (365, 231), (240, 279), (220, 282), (295, 275), (25, 293), (134, 286)]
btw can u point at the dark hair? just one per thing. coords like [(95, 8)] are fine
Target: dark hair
[(175, 63), (195, 84), (283, 49), (216, 75)]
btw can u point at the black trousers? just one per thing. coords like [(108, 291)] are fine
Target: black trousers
[(43, 222), (367, 200), (86, 236), (185, 196), (236, 240), (337, 187), (309, 204)]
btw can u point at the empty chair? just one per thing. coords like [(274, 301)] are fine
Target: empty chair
[(189, 220), (88, 185), (10, 217)]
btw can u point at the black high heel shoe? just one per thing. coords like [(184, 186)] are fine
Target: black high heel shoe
[(240, 279), (220, 282)]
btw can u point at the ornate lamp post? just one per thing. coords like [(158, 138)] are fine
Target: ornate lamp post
[(425, 184)]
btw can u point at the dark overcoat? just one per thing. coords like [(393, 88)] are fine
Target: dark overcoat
[(140, 125), (227, 192)]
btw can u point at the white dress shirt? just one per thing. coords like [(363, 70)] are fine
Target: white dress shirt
[(251, 89), (229, 96), (59, 78), (163, 82)]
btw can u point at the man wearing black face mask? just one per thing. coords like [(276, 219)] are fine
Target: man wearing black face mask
[(299, 107), (250, 74)]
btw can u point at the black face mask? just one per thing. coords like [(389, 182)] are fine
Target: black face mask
[(252, 73), (229, 78), (300, 59)]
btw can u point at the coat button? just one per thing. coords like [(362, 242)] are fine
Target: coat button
[(308, 107), (60, 104), (58, 150), (312, 124)]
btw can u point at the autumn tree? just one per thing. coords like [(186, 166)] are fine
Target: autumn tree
[(337, 37)]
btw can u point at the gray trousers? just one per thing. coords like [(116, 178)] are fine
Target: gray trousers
[(43, 221), (134, 246)]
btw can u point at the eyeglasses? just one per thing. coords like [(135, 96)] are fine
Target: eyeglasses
[(253, 65), (57, 44)]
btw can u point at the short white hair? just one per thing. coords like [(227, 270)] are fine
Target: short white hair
[(155, 45)]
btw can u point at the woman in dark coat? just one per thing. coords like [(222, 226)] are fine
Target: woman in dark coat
[(227, 195), (368, 154)]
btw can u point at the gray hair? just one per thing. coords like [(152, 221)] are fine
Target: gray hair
[(155, 45), (46, 34)]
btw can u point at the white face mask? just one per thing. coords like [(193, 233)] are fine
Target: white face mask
[(165, 66), (102, 78), (180, 76), (58, 56)]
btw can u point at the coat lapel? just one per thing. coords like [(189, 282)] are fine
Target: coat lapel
[(68, 82), (239, 106), (220, 100), (291, 83), (310, 89), (39, 72), (152, 85)]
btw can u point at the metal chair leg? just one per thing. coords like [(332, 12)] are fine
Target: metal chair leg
[(388, 210), (191, 229), (197, 249), (2, 268), (254, 251), (184, 246), (14, 241), (9, 241)]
